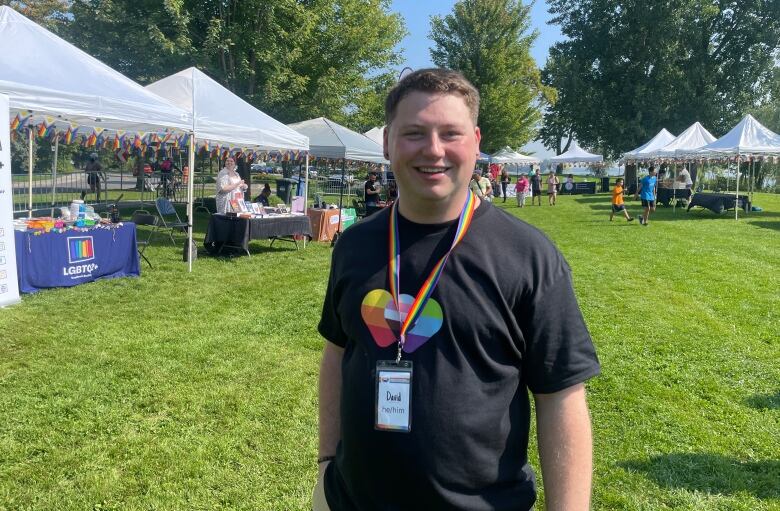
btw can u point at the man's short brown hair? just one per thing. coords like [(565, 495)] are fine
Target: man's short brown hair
[(434, 81)]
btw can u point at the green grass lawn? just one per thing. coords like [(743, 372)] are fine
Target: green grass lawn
[(198, 391)]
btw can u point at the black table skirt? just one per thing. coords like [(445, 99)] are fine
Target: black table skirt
[(718, 202), (237, 232), (665, 195)]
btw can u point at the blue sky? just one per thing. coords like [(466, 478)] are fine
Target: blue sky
[(417, 14)]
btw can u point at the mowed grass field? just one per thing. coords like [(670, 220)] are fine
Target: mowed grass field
[(199, 391)]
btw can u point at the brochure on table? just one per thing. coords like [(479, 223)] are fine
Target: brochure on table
[(9, 285)]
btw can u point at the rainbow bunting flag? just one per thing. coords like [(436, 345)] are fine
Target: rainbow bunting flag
[(91, 139), (16, 122), (42, 129)]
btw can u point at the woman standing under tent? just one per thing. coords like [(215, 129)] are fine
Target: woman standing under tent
[(229, 185)]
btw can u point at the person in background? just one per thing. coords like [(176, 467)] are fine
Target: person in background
[(229, 185), (372, 190), (93, 171), (647, 192), (536, 186), (521, 189), (617, 201), (264, 195), (166, 177), (552, 188), (505, 180), (438, 418), (392, 192)]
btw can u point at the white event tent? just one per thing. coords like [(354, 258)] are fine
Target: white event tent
[(661, 139), (376, 134), (748, 139), (507, 155), (219, 116), (695, 137), (48, 80), (576, 154), (328, 139)]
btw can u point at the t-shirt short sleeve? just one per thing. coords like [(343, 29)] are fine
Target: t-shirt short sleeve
[(330, 323), (559, 351)]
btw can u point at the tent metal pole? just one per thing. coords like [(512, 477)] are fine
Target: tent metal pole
[(30, 171), (736, 196), (190, 197), (54, 172)]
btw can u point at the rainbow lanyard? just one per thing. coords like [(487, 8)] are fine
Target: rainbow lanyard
[(394, 268)]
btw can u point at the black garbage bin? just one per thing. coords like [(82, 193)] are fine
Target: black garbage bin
[(284, 189), (604, 184)]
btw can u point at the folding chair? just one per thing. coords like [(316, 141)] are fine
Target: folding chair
[(360, 208), (140, 244), (169, 217)]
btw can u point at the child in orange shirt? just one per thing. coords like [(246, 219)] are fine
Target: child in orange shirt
[(617, 201)]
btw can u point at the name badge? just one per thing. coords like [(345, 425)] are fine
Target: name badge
[(393, 396)]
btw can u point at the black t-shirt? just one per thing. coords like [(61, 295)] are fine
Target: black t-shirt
[(509, 323), (536, 182), (374, 197)]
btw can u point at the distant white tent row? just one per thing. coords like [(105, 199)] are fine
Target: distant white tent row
[(749, 138), (747, 141), (576, 154), (507, 155)]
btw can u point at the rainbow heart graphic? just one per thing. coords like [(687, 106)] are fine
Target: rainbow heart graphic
[(382, 319)]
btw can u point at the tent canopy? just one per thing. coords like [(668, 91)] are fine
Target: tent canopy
[(507, 155), (376, 134), (692, 138), (60, 84), (328, 139), (661, 139), (576, 154), (748, 137), (221, 116)]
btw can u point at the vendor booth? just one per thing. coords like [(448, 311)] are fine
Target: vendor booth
[(222, 119), (60, 93), (747, 142), (329, 140)]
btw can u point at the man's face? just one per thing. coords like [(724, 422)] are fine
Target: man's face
[(432, 144)]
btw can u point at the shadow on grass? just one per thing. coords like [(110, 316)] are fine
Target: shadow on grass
[(764, 401), (775, 226), (712, 473)]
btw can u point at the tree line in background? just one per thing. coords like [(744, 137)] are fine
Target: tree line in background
[(631, 67), (298, 59), (627, 68)]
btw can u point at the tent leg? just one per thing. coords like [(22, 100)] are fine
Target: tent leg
[(54, 173), (30, 171)]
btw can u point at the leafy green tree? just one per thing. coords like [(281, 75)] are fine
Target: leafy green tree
[(293, 59), (143, 39), (489, 41), (636, 66), (51, 14)]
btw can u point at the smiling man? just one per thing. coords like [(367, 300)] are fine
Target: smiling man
[(429, 408)]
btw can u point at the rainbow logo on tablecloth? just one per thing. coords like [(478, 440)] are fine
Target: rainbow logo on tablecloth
[(383, 321), (80, 249)]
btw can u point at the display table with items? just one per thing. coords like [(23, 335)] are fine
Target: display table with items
[(233, 231), (325, 222), (50, 253), (573, 188), (665, 196), (718, 202)]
